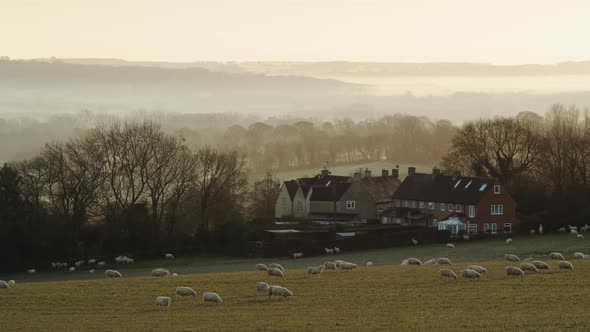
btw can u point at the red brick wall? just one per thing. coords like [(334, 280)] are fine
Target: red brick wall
[(483, 211)]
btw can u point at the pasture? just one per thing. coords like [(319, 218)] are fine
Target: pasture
[(384, 297)]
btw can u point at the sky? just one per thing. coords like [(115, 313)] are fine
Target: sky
[(499, 31)]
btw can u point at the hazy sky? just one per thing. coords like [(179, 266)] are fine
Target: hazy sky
[(497, 31)]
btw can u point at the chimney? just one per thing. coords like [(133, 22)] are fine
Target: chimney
[(435, 171), (325, 172), (395, 173), (367, 173), (356, 176), (411, 170), (384, 173)]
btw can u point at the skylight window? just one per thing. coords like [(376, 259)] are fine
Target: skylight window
[(457, 184), (483, 187), (468, 184), (327, 184)]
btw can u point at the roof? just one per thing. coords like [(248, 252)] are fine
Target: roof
[(407, 213), (321, 180), (292, 187), (329, 194), (381, 188), (443, 188)]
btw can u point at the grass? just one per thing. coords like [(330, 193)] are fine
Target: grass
[(384, 297)]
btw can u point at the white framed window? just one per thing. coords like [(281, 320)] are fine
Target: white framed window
[(421, 205), (442, 206), (507, 228), (496, 189), (350, 205), (450, 207), (459, 208), (490, 228), (497, 209), (471, 211), (431, 205), (472, 228)]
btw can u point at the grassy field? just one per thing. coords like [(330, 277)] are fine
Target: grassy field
[(385, 297)]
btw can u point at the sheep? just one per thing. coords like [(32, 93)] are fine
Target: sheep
[(430, 261), (532, 232), (414, 261), (447, 273), (514, 271), (53, 265), (528, 259), (79, 263), (314, 270), (112, 274), (444, 261), (175, 274), (348, 266), (369, 264), (528, 267), (450, 245), (91, 271), (261, 267), (414, 241), (556, 255), (273, 271), (566, 265), (130, 261), (465, 237), (404, 262), (163, 301), (279, 291), (277, 266), (477, 268), (578, 255), (541, 265), (338, 262), (573, 228), (91, 261), (329, 266), (297, 255), (168, 256), (470, 274), (11, 283), (72, 269), (4, 284), (262, 287), (337, 250), (580, 236), (561, 230), (329, 251), (508, 240), (584, 228), (541, 229), (185, 291), (511, 258), (212, 297), (574, 232), (31, 271), (160, 272), (101, 264)]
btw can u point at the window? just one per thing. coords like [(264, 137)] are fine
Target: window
[(431, 205), (483, 187), (497, 209), (442, 206), (472, 228), (456, 184), (421, 205), (490, 228), (284, 203), (471, 211), (459, 208), (450, 207), (350, 205), (468, 184), (508, 228), (496, 189)]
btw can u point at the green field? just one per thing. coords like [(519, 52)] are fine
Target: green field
[(385, 297)]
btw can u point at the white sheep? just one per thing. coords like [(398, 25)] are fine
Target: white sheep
[(470, 274), (160, 272), (566, 265), (277, 266), (282, 292), (529, 267), (369, 264), (297, 255), (348, 266), (112, 274), (556, 255), (329, 266), (31, 271), (91, 261), (580, 236), (477, 268), (72, 269), (168, 256), (212, 297), (4, 284), (528, 259), (586, 256), (574, 232), (314, 270), (101, 264), (430, 261), (175, 274), (414, 261), (414, 241), (79, 263), (541, 265), (585, 228), (541, 229), (91, 271), (511, 258), (532, 232), (329, 251), (573, 228), (185, 291), (163, 301), (337, 250), (404, 262), (11, 283), (444, 261), (561, 230), (508, 240), (338, 262), (447, 273), (466, 237), (262, 287), (450, 245), (275, 272), (261, 267), (514, 271), (578, 255)]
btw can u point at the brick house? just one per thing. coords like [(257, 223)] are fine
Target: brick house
[(481, 203)]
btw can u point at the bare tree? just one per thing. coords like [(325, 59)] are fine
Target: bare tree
[(263, 195)]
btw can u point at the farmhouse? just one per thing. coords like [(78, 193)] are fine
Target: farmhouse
[(337, 198), (482, 204)]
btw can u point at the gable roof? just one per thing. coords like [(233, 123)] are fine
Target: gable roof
[(381, 188), (292, 187), (321, 180), (329, 194), (443, 188)]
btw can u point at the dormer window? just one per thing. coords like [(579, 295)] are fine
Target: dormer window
[(496, 189)]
